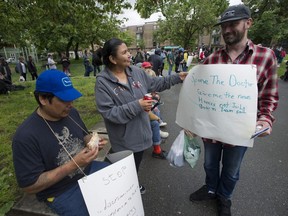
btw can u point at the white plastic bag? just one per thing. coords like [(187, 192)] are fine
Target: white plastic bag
[(21, 79), (176, 153)]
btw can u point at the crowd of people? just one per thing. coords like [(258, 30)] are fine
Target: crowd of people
[(175, 58), (50, 150)]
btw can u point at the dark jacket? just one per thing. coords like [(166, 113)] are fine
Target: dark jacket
[(31, 67), (156, 62)]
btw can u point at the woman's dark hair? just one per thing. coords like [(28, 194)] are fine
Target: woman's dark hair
[(45, 95), (110, 48)]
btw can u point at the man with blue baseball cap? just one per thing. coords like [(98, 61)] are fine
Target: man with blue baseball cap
[(50, 152)]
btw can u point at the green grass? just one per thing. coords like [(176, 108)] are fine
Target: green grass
[(17, 106)]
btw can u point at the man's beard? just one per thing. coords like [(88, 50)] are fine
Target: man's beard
[(234, 38)]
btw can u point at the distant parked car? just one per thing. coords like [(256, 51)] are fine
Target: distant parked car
[(9, 60), (151, 52)]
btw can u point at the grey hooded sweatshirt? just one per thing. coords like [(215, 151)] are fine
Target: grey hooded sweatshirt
[(127, 124)]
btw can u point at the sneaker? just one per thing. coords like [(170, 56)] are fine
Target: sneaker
[(164, 134), (224, 206), (142, 189), (161, 155), (202, 194), (162, 124)]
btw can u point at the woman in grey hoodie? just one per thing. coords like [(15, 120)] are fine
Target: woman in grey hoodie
[(119, 92)]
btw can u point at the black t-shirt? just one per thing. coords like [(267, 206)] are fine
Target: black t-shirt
[(36, 150)]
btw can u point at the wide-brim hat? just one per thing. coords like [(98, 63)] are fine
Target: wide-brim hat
[(233, 13)]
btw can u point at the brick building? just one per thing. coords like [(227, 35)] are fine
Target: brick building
[(144, 34)]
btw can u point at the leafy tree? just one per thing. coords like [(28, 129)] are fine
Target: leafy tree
[(9, 25), (270, 21), (60, 25), (127, 37), (184, 20)]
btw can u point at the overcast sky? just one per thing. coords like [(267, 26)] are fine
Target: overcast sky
[(135, 19)]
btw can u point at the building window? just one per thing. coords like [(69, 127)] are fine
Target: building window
[(138, 36), (155, 27), (139, 28)]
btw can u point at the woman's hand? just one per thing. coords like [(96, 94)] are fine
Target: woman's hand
[(146, 104), (183, 75)]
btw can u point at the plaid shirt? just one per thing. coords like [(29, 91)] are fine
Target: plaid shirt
[(267, 78)]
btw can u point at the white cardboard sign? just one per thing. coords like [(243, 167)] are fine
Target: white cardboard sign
[(189, 61), (114, 190), (219, 102)]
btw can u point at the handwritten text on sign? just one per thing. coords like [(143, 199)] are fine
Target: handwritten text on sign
[(220, 102), (114, 190)]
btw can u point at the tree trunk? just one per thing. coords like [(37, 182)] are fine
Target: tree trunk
[(69, 44), (76, 51), (92, 46)]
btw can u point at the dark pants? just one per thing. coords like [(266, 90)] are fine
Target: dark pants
[(88, 69), (138, 158), (176, 68), (34, 76), (95, 69)]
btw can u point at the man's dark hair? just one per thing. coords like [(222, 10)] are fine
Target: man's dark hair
[(45, 95)]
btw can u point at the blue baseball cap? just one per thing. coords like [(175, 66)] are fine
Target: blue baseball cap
[(58, 83)]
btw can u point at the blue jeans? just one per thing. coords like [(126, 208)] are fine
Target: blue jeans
[(170, 69), (71, 202), (155, 132), (88, 70), (222, 183)]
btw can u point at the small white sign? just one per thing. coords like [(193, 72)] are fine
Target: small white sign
[(114, 190), (189, 61)]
